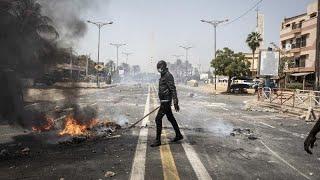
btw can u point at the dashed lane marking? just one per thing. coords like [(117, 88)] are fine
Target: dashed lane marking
[(267, 125), (284, 161), (139, 161), (279, 129)]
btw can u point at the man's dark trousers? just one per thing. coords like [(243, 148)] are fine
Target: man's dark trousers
[(165, 109)]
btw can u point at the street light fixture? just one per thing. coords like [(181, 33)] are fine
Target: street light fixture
[(99, 25), (127, 56), (215, 24), (176, 56), (117, 45), (187, 49)]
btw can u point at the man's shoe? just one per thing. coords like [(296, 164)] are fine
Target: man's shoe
[(156, 144), (177, 138)]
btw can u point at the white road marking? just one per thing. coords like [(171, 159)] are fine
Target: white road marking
[(220, 105), (267, 125), (284, 161), (29, 105), (139, 161), (279, 129), (60, 118), (93, 104), (198, 167)]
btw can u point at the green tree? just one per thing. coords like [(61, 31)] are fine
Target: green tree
[(228, 63), (285, 63), (136, 69), (253, 40)]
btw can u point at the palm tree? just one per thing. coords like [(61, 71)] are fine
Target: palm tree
[(28, 13), (253, 41)]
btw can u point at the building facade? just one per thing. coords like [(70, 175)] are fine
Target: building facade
[(298, 37)]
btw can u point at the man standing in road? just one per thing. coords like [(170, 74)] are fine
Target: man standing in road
[(167, 93)]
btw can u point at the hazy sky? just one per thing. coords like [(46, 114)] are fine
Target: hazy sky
[(157, 28)]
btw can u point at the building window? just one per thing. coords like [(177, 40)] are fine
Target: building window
[(304, 40), (300, 61), (283, 44), (287, 25), (313, 15), (296, 25), (299, 42)]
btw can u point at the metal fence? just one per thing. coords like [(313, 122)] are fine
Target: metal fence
[(288, 97)]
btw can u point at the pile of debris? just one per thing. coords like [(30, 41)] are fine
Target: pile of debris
[(104, 129), (71, 130), (14, 150), (245, 132)]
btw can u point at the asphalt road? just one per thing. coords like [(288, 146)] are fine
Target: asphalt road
[(208, 151)]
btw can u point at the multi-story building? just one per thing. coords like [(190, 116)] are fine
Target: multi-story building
[(298, 37), (253, 63)]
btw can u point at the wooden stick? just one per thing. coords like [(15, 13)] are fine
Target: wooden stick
[(143, 118)]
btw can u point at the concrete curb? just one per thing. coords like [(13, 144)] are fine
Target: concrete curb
[(281, 108), (82, 85)]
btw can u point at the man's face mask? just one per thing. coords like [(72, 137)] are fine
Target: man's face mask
[(160, 70)]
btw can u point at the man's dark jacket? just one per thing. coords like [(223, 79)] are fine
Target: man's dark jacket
[(167, 89)]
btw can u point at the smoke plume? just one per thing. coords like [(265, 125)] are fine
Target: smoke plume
[(66, 15)]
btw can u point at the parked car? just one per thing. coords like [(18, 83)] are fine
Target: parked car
[(239, 88)]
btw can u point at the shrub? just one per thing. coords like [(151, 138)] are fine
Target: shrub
[(295, 86)]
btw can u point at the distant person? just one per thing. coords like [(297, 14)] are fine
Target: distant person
[(311, 139), (167, 93)]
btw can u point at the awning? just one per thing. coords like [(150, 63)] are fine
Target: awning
[(301, 74)]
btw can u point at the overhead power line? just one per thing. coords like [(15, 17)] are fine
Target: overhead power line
[(245, 13)]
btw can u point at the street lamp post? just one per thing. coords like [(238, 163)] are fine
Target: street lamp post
[(187, 49), (127, 56), (117, 45), (99, 25), (176, 56), (215, 24)]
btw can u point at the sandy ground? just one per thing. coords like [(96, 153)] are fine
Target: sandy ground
[(209, 88), (54, 94)]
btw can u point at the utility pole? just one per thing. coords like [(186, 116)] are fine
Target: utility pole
[(176, 56), (317, 59), (186, 48), (257, 26), (99, 25), (117, 45), (127, 56), (71, 64), (87, 64), (215, 24)]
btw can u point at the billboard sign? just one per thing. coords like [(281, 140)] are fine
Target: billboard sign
[(269, 63)]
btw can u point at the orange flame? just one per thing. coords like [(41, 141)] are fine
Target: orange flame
[(73, 127)]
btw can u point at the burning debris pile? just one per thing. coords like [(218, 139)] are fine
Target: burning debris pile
[(71, 130)]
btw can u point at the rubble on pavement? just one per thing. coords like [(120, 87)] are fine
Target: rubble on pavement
[(244, 132), (109, 174)]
